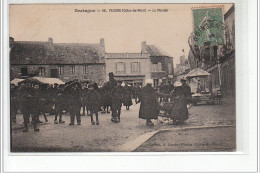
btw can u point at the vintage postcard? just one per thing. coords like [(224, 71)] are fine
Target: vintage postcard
[(122, 78)]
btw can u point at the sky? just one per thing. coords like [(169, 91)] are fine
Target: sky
[(122, 31)]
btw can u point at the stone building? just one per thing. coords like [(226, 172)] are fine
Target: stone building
[(151, 63), (66, 61), (133, 68)]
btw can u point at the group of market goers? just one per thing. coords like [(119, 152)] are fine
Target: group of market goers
[(34, 99)]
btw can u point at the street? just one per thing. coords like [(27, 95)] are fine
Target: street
[(110, 137)]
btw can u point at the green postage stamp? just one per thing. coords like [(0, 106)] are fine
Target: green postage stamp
[(209, 28)]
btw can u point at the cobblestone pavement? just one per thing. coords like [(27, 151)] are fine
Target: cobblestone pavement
[(109, 136)]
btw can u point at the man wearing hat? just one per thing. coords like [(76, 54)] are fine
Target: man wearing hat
[(186, 90), (117, 100)]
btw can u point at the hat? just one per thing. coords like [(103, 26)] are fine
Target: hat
[(183, 80), (111, 74), (177, 83), (123, 84), (149, 81)]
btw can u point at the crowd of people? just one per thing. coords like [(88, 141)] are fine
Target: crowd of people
[(34, 99)]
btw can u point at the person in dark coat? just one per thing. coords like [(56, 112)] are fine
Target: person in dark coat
[(149, 106), (106, 92), (40, 104), (127, 100), (179, 111), (187, 90), (60, 105), (93, 99), (13, 102), (28, 103), (117, 100), (72, 93)]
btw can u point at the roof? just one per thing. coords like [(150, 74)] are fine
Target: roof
[(56, 53), (229, 11), (181, 70), (154, 51), (197, 72)]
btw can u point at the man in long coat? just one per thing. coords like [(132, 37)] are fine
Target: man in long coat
[(72, 94), (93, 99), (149, 106), (28, 103), (117, 100)]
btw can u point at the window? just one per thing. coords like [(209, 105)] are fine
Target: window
[(41, 71), (72, 69), (85, 69), (170, 68), (159, 66), (154, 67), (24, 71), (60, 69), (135, 67), (120, 67)]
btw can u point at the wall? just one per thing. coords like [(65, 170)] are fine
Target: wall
[(128, 58), (94, 72)]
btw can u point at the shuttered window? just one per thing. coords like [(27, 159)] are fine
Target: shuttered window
[(120, 67), (60, 69), (72, 69), (41, 71), (135, 67)]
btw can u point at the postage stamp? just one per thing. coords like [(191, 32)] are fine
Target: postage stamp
[(208, 26)]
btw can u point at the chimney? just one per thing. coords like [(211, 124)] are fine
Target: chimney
[(102, 42), (50, 45), (50, 40), (143, 44), (11, 41)]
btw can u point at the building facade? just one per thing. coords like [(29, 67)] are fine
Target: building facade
[(133, 68), (161, 64), (66, 61)]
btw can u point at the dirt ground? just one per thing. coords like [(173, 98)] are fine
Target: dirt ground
[(107, 137), (194, 140)]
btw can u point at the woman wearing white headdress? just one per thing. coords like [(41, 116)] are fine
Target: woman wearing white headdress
[(149, 106), (179, 112)]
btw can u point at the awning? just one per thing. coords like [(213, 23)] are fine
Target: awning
[(197, 72), (44, 80), (16, 81)]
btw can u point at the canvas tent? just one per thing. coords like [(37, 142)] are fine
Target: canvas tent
[(44, 80), (197, 72), (16, 81)]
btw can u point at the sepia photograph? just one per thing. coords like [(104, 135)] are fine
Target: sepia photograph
[(122, 78)]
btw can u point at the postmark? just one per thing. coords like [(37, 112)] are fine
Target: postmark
[(208, 26)]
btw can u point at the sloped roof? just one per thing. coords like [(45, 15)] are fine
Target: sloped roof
[(56, 53), (28, 53), (197, 72), (154, 51), (181, 70)]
